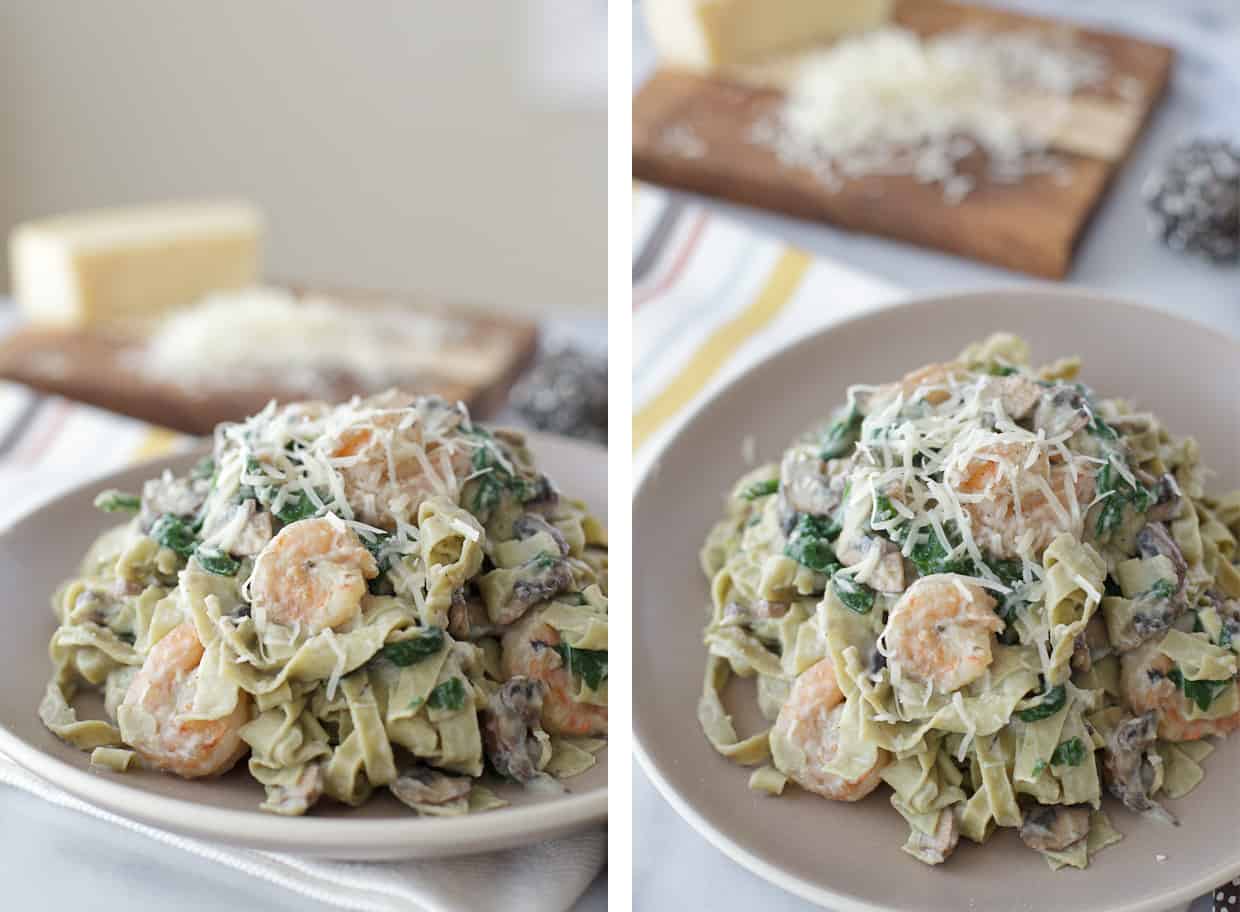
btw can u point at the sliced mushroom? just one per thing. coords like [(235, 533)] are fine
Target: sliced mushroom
[(1127, 769), (467, 615), (182, 497), (851, 550), (510, 436), (131, 586), (1154, 539), (531, 524), (888, 573), (768, 610), (542, 496), (1153, 613), (1151, 616), (296, 798), (936, 848), (761, 609), (243, 529), (878, 661), (1096, 642), (1133, 423), (255, 532), (1054, 827), (511, 724), (1081, 659), (94, 606), (805, 484), (1169, 503), (1061, 410), (1228, 612), (422, 786), (1019, 396), (852, 543), (510, 593), (540, 580), (786, 514)]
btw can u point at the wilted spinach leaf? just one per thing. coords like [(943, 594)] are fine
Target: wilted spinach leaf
[(172, 532), (589, 664), (448, 695), (1052, 701), (415, 649)]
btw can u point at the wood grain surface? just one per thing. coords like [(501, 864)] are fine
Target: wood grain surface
[(100, 369), (1032, 226)]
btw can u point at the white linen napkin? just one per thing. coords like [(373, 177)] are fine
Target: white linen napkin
[(541, 878), (48, 444)]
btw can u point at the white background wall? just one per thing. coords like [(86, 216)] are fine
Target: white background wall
[(394, 145)]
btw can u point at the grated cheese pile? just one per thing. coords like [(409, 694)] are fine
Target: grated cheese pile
[(925, 451), (920, 454), (287, 453), (261, 335), (890, 102)]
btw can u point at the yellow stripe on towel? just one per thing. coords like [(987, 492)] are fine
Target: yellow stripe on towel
[(156, 441), (721, 345)]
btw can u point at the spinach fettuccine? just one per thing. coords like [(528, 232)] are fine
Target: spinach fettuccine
[(380, 594), (988, 589)]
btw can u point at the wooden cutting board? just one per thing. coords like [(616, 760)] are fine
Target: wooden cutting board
[(692, 132), (99, 369)]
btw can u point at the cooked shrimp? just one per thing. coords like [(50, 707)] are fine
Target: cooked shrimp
[(940, 632), (932, 380), (313, 573), (382, 483), (1011, 510), (1144, 680), (165, 688), (806, 737), (529, 650)]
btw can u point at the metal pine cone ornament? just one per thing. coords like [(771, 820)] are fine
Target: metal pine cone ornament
[(1194, 200), (565, 393)]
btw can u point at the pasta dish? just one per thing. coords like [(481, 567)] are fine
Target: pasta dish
[(375, 594), (992, 591)]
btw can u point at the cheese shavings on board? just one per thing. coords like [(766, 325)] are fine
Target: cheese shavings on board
[(892, 102), (249, 337)]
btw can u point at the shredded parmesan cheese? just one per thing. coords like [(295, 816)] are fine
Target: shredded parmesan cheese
[(342, 659), (366, 461), (248, 338), (890, 102), (969, 724), (945, 464), (468, 531)]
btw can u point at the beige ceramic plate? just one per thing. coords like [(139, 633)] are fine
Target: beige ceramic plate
[(848, 856), (45, 547)]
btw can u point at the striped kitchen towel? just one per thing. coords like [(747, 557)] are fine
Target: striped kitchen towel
[(710, 298), (48, 443)]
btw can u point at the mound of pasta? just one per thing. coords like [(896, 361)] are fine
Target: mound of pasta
[(375, 594), (988, 589)]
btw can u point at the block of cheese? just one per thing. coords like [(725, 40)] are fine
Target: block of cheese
[(122, 268), (705, 34)]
